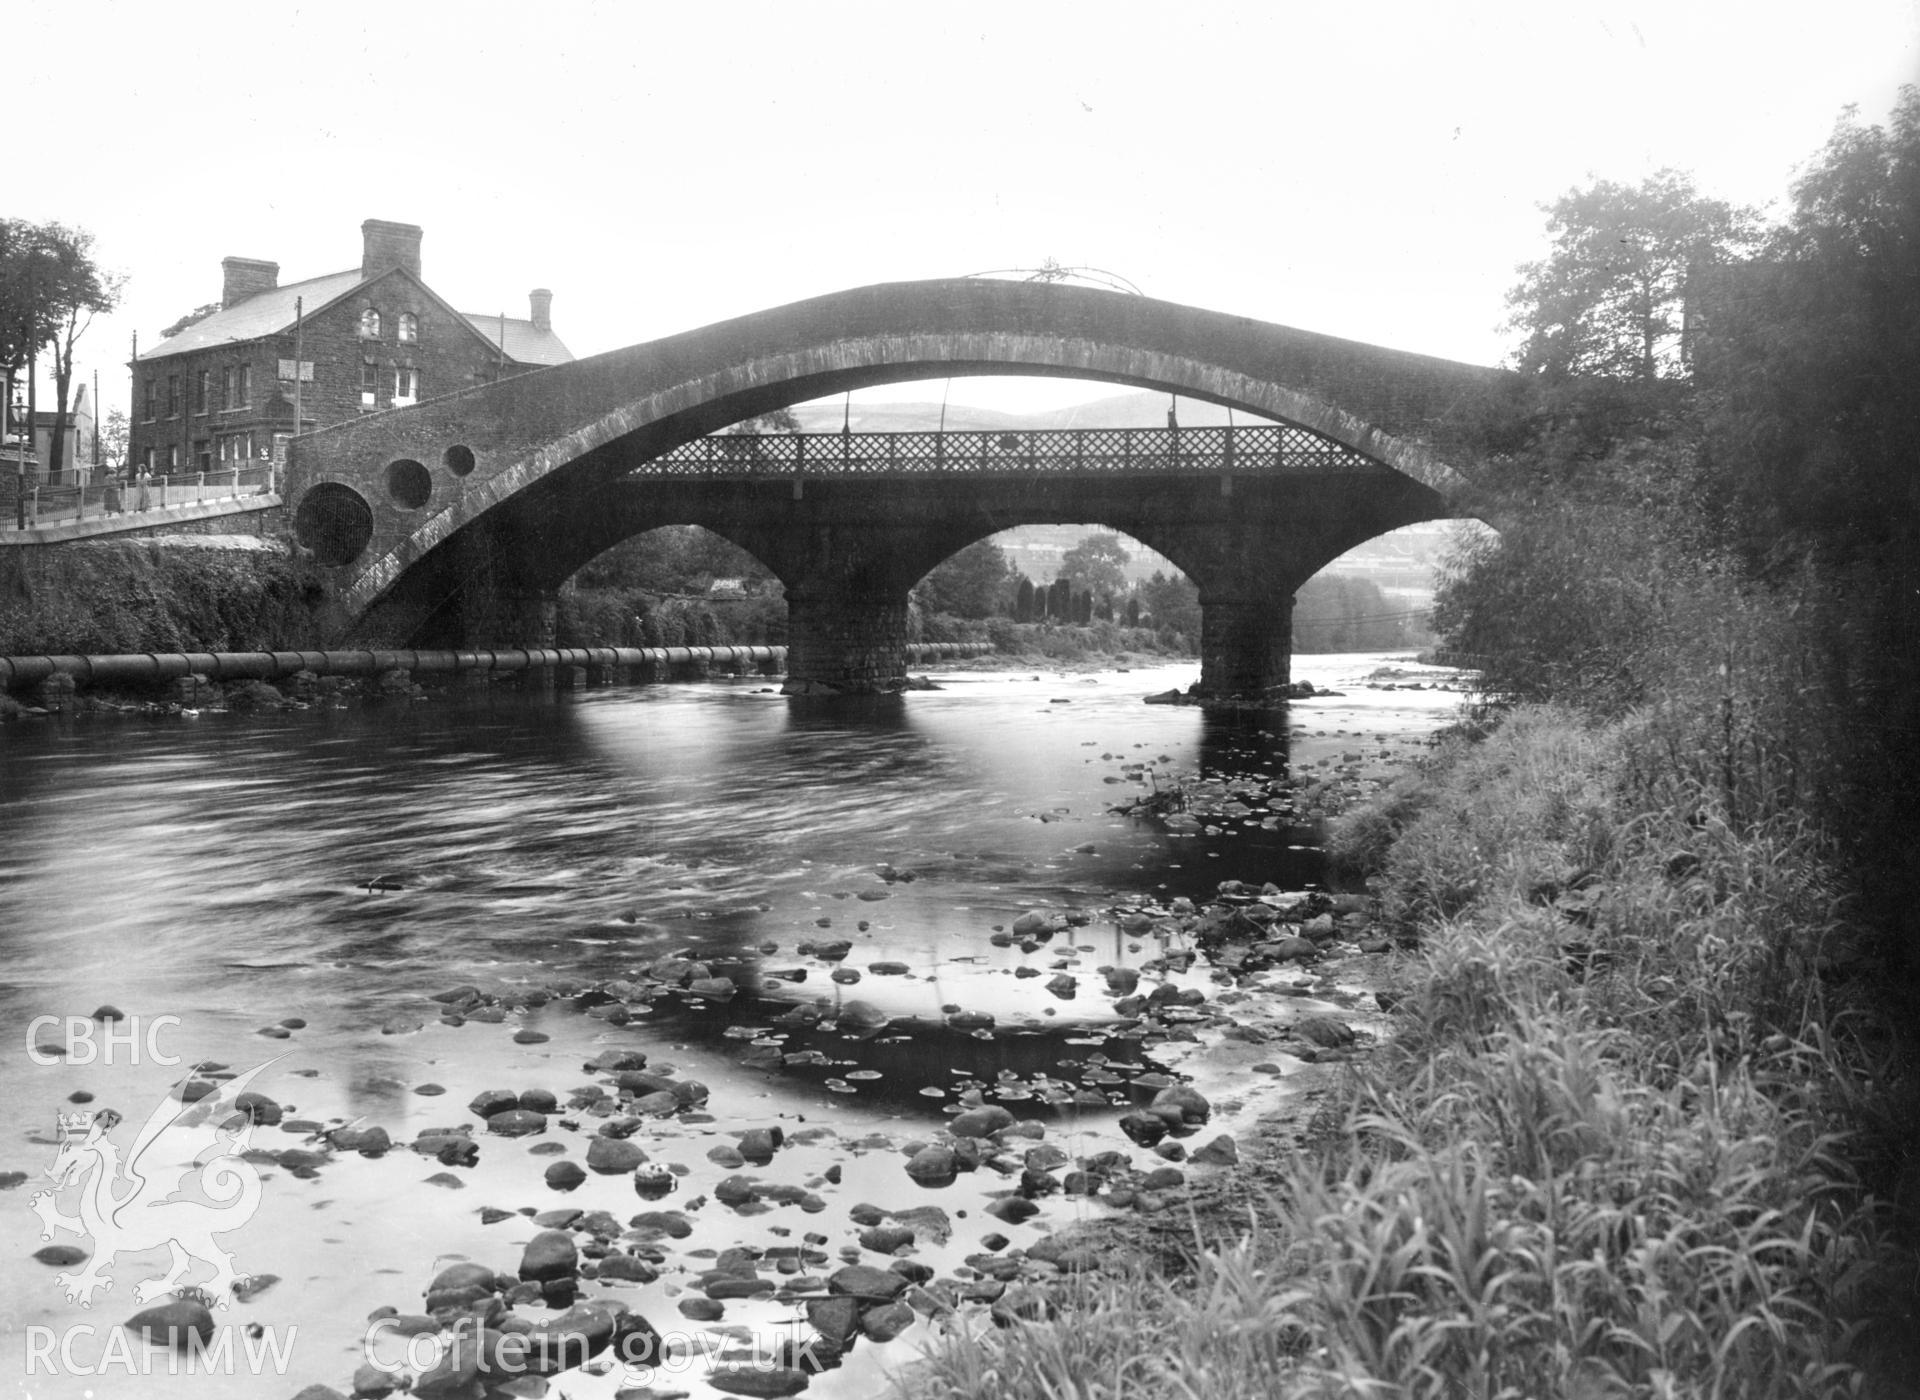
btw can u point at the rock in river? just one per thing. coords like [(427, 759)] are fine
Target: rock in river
[(980, 1122), (933, 1166), (1181, 1105), (170, 1323), (1144, 1128), (517, 1122), (755, 1380), (1325, 1031), (611, 1156), (550, 1254), (861, 1281)]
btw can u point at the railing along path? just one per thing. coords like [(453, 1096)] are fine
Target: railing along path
[(30, 504)]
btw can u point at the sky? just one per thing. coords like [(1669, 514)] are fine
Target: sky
[(1372, 171)]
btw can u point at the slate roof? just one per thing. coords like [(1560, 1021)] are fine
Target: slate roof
[(525, 342), (271, 311), (263, 313)]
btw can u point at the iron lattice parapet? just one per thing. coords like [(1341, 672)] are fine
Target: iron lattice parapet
[(1265, 449)]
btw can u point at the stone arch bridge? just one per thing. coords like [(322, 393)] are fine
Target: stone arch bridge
[(455, 522)]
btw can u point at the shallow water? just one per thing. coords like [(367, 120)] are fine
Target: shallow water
[(339, 866)]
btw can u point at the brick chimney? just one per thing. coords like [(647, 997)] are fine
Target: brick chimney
[(542, 302), (384, 244), (241, 278)]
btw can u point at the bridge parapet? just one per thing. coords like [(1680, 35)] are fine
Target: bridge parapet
[(1265, 449)]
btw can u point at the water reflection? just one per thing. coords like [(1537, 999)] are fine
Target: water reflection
[(350, 861)]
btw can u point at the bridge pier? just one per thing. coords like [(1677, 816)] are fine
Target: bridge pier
[(1246, 642), (522, 617), (845, 643)]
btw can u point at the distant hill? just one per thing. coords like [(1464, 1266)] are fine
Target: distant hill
[(1130, 408)]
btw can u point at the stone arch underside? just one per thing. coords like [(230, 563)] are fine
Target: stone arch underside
[(547, 448)]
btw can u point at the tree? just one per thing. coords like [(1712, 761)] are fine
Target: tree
[(193, 317), (1810, 354), (50, 290), (1023, 600), (1172, 603), (113, 441), (1608, 297), (1095, 565), (972, 583), (781, 420), (672, 559)]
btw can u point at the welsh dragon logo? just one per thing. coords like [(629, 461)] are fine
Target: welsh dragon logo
[(181, 1182)]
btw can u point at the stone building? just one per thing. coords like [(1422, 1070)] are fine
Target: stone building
[(34, 463), (219, 391)]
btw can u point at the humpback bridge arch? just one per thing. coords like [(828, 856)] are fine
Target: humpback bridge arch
[(454, 523)]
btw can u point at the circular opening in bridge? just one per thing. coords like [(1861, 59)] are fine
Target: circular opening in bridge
[(335, 522), (459, 459), (409, 483)]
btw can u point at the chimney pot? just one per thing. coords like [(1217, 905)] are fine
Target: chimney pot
[(241, 278), (384, 244), (541, 301)]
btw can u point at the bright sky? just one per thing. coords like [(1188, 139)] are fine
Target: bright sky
[(1367, 170)]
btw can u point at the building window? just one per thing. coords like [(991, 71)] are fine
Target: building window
[(369, 384), (245, 386), (408, 328), (406, 386), (201, 451), (369, 324), (173, 458), (153, 394), (173, 396), (202, 390), (227, 399), (146, 461)]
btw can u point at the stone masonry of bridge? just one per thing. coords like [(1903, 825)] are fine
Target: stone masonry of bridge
[(454, 523)]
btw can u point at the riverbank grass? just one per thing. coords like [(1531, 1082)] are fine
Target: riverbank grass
[(1631, 1136)]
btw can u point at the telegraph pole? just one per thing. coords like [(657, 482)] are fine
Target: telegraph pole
[(299, 326)]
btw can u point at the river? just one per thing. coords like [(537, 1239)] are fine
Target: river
[(213, 877)]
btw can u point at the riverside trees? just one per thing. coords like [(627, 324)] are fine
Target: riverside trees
[(1721, 534), (1609, 297), (51, 287)]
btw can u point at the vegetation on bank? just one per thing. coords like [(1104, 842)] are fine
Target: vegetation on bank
[(1632, 1137), (113, 597), (1644, 1128)]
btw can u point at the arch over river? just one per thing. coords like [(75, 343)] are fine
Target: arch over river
[(454, 523)]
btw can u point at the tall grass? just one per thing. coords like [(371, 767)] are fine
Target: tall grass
[(1622, 1144)]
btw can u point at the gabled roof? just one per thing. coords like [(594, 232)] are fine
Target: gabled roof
[(263, 313), (271, 312), (525, 342)]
